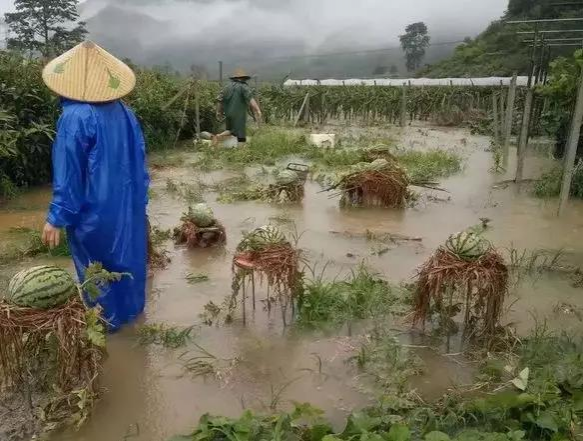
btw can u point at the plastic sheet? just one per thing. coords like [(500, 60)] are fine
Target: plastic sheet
[(415, 82)]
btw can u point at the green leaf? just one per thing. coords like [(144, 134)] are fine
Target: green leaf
[(95, 328), (60, 67), (331, 438), (548, 421), (114, 82), (371, 437), (360, 422), (399, 432), (437, 436), (517, 435), (521, 382), (578, 401)]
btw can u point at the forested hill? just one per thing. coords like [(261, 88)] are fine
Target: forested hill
[(498, 51)]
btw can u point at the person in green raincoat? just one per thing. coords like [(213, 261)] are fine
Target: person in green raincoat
[(234, 102)]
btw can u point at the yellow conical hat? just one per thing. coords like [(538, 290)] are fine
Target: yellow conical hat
[(90, 74)]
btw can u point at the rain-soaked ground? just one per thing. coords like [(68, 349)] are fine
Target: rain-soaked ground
[(149, 396)]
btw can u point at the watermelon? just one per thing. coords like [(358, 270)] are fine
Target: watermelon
[(41, 287), (467, 245), (287, 177), (262, 237), (202, 215)]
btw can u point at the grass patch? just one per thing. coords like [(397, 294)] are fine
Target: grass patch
[(549, 185), (364, 295), (267, 146), (27, 242), (429, 165), (238, 188)]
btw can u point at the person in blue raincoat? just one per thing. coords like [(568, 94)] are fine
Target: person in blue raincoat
[(100, 178)]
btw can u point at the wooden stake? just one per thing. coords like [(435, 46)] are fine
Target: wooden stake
[(197, 108), (495, 117), (507, 130), (523, 143), (300, 113), (572, 149)]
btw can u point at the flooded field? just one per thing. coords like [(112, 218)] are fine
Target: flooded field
[(263, 366)]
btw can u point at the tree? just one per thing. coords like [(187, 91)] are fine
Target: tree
[(394, 70), (379, 70), (45, 26), (414, 42)]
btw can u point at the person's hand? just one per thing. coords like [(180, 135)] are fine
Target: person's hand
[(51, 236)]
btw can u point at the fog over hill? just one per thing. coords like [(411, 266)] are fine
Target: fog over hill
[(258, 34)]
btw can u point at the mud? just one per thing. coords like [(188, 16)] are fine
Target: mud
[(151, 397)]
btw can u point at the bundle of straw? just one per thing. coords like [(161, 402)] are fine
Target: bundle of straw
[(385, 185), (481, 285), (26, 333), (279, 263)]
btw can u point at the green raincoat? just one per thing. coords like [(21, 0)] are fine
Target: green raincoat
[(236, 97)]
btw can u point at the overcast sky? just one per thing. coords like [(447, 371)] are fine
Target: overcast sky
[(311, 26), (326, 12)]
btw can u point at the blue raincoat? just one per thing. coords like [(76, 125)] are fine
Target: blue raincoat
[(100, 193)]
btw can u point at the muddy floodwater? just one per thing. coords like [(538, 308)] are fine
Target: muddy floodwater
[(150, 397)]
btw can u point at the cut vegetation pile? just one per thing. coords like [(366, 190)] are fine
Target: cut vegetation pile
[(29, 335), (468, 277), (267, 252), (378, 183), (200, 229), (288, 187)]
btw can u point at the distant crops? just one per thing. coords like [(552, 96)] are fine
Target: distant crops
[(28, 112)]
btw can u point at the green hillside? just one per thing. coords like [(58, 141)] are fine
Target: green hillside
[(499, 51)]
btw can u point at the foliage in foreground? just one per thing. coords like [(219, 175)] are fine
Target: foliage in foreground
[(550, 183), (539, 397)]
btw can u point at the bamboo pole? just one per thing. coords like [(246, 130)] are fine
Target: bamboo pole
[(507, 130), (572, 149)]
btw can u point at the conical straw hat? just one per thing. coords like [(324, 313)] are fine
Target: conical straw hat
[(240, 74), (90, 74)]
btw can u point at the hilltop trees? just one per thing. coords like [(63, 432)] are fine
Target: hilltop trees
[(414, 42), (45, 26)]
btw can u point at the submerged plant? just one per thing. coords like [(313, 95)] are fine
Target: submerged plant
[(166, 336)]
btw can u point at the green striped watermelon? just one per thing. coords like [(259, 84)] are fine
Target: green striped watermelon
[(287, 177), (261, 238), (467, 245), (202, 215), (41, 287)]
